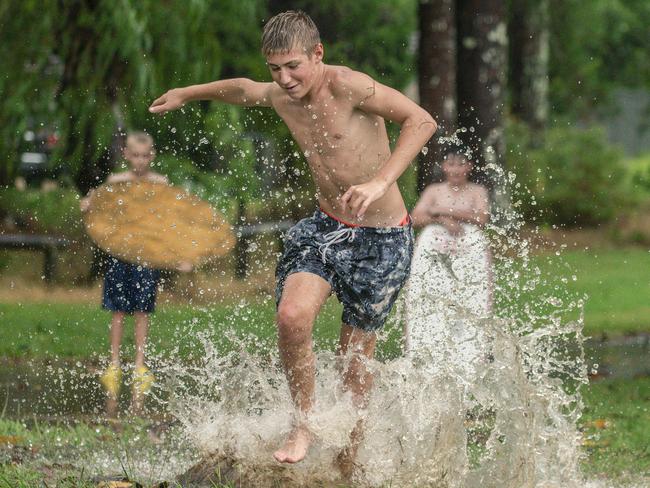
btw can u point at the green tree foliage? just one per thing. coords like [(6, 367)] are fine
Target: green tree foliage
[(597, 45), (27, 74), (574, 178), (53, 212), (86, 68), (639, 175)]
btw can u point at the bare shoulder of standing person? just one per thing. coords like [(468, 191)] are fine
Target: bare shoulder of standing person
[(481, 199), (480, 192), (427, 198), (431, 192), (120, 177)]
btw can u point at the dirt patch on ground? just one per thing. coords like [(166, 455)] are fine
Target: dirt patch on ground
[(16, 289), (202, 287)]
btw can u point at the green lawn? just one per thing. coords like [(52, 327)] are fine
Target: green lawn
[(76, 455), (616, 282), (617, 286), (616, 427), (65, 330), (40, 330), (615, 421)]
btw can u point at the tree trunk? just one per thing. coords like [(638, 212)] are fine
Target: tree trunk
[(6, 171), (482, 63), (529, 52), (436, 79)]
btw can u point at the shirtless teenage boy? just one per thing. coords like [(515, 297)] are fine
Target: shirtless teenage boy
[(359, 243)]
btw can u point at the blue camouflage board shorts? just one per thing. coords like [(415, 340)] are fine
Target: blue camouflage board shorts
[(129, 287), (365, 266)]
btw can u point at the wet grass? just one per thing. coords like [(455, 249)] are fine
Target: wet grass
[(78, 454), (613, 284), (18, 476), (615, 426), (616, 421), (80, 331), (41, 330), (616, 283)]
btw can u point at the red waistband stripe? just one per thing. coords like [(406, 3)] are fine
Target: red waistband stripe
[(405, 221)]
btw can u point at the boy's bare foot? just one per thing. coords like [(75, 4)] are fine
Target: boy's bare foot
[(346, 462), (295, 447)]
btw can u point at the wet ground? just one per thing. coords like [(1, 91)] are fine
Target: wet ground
[(621, 357), (59, 388), (52, 390)]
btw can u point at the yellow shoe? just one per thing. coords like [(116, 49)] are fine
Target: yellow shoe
[(111, 380), (142, 380)]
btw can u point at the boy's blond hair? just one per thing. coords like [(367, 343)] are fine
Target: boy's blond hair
[(288, 30), (139, 137)]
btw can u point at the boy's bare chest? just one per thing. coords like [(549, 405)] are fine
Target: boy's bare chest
[(458, 199), (323, 129)]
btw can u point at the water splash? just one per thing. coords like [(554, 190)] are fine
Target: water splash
[(503, 416), (512, 424)]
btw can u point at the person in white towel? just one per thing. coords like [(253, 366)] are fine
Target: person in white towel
[(450, 286)]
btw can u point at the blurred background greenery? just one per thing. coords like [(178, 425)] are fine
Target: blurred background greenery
[(77, 76)]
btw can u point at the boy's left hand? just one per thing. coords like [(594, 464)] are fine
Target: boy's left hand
[(359, 197)]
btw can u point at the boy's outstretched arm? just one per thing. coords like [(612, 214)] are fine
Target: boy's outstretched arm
[(236, 91), (417, 127)]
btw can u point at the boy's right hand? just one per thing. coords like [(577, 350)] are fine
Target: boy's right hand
[(171, 100)]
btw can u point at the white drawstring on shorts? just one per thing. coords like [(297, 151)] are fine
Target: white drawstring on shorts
[(343, 233)]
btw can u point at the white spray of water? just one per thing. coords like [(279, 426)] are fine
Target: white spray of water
[(504, 415), (511, 424)]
